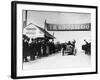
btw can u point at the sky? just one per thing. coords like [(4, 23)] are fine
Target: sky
[(39, 17)]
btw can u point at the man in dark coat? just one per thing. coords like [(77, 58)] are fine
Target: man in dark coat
[(38, 49), (25, 49), (63, 48), (32, 49), (87, 47)]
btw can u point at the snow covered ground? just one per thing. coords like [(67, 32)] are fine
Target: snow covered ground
[(57, 61)]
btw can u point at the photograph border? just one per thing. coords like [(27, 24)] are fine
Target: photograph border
[(14, 38)]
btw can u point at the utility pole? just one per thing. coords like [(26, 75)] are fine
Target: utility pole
[(45, 25), (53, 36), (45, 29), (25, 19)]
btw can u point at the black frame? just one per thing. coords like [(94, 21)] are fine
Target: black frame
[(14, 40)]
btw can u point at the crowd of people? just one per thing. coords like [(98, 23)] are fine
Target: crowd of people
[(38, 48), (87, 47)]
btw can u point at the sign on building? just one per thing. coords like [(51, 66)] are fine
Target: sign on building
[(32, 31)]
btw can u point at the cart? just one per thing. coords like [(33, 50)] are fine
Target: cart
[(69, 50)]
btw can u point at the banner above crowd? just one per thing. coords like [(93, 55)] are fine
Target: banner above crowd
[(68, 27)]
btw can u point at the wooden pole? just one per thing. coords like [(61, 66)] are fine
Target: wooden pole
[(25, 18)]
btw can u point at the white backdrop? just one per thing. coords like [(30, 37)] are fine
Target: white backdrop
[(5, 41)]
